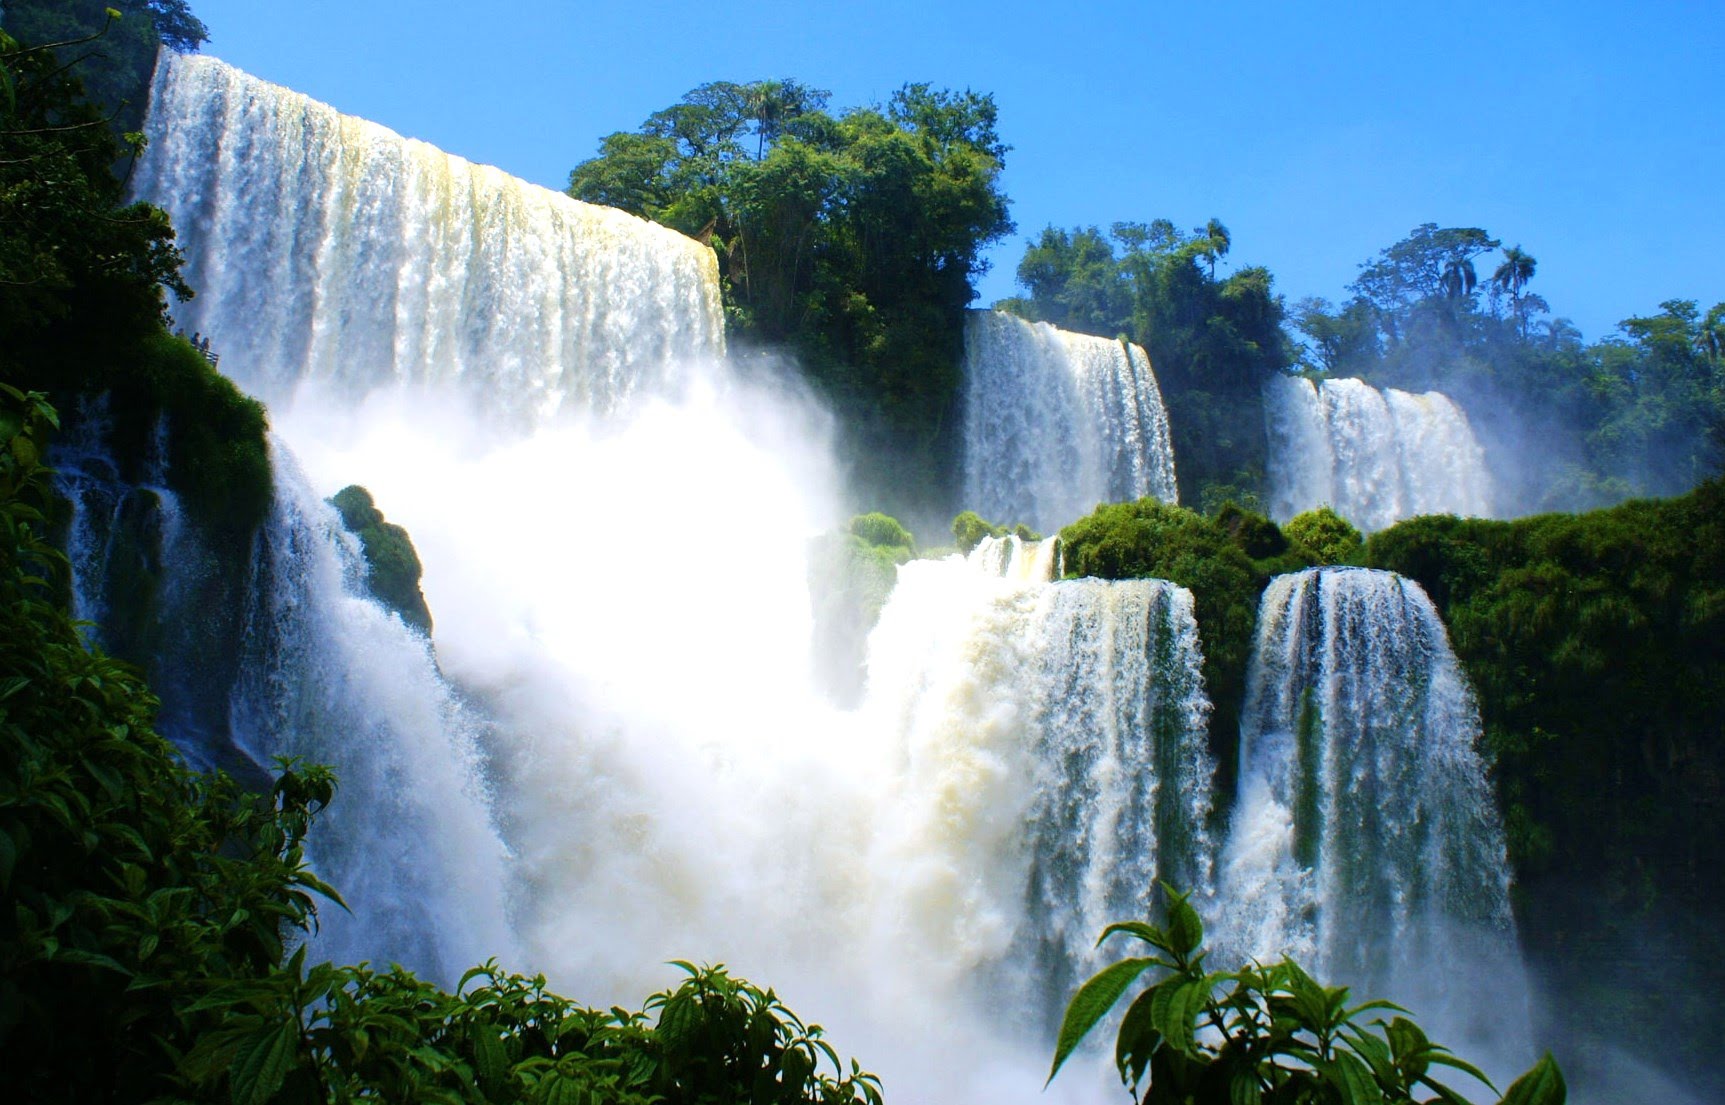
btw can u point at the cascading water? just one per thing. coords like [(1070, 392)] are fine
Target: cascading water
[(331, 677), (614, 533), (1053, 760), (1057, 422), (328, 249), (1374, 456), (1366, 841)]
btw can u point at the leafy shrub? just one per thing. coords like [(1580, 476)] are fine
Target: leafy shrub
[(1324, 536), (882, 530), (1261, 1033), (969, 529)]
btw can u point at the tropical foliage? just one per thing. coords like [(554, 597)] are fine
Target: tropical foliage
[(849, 239), (1641, 411), (1262, 1033), (1213, 342)]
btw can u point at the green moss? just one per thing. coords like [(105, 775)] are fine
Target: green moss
[(393, 570), (969, 528), (881, 530)]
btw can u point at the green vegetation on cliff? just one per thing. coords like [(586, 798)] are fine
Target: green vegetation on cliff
[(849, 239), (82, 304), (1225, 561), (851, 573), (392, 566)]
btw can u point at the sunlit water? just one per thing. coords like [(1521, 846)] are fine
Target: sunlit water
[(614, 755)]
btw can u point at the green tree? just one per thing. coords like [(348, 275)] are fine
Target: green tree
[(852, 241)]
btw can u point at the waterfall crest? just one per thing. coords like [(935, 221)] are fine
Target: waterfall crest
[(1366, 840), (1376, 457), (329, 249), (1057, 422), (1053, 759)]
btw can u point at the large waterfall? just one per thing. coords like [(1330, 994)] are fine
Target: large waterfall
[(613, 754), (328, 249), (1053, 762), (1376, 457), (1057, 422), (1366, 840)]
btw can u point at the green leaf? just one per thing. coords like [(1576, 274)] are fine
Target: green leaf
[(1185, 929), (1091, 1003), (490, 1059), (1243, 1088), (1148, 933), (8, 858), (1462, 1065), (1542, 1085), (1355, 1082), (1136, 1040), (1376, 1053), (262, 1062)]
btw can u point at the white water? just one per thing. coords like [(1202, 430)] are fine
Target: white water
[(614, 530), (327, 248), (1051, 762), (1057, 422), (1366, 841), (1375, 457)]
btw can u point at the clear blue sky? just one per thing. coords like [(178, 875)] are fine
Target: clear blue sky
[(1590, 133)]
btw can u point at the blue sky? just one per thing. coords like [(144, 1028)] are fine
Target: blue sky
[(1591, 134)]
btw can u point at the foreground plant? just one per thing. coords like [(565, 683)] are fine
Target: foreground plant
[(1262, 1034)]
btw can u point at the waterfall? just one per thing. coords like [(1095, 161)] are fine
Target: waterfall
[(1376, 457), (330, 676), (613, 753), (328, 249), (1057, 422), (1052, 761), (1366, 840)]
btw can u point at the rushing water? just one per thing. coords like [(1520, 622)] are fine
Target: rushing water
[(1374, 456), (1057, 422), (326, 248), (1366, 841), (614, 525), (1054, 757)]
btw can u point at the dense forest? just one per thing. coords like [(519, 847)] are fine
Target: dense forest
[(154, 912)]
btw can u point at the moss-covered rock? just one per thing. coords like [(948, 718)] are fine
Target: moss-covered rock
[(393, 570)]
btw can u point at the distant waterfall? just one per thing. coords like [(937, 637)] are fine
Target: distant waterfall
[(326, 248), (1057, 422), (1376, 457), (1366, 840), (1054, 758)]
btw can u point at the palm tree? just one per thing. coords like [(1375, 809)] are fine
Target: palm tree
[(1216, 242), (1458, 279), (1512, 276)]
